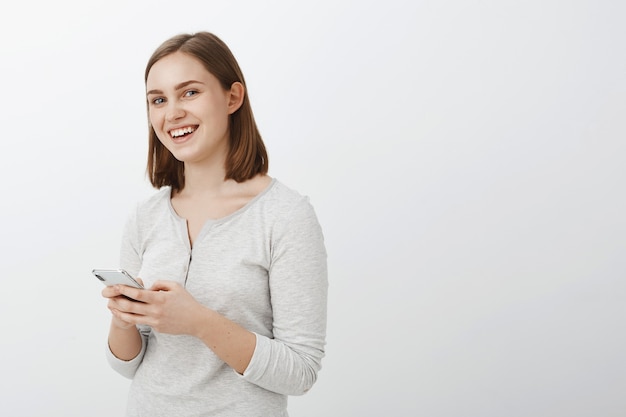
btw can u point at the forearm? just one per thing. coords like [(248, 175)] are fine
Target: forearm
[(230, 342), (126, 343)]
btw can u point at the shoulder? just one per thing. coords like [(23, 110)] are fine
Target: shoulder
[(156, 201), (277, 205), (283, 199), (149, 207), (295, 226), (290, 209)]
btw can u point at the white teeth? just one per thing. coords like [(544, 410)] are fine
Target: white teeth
[(179, 132)]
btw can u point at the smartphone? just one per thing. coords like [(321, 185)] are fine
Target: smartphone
[(116, 276)]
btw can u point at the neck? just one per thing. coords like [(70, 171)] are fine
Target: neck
[(204, 178)]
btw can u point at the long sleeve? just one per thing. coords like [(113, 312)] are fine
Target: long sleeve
[(289, 363), (130, 260)]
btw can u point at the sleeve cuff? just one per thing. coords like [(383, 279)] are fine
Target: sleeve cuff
[(125, 368), (258, 363)]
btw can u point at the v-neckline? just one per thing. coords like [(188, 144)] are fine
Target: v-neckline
[(211, 222)]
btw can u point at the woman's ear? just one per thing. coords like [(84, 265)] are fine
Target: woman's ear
[(235, 97)]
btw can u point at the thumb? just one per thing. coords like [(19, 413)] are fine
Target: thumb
[(139, 280)]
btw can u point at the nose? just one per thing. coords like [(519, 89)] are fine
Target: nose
[(174, 111)]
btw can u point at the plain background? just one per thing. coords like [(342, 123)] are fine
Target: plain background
[(466, 160)]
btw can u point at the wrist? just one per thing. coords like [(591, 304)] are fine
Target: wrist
[(203, 324), (123, 326)]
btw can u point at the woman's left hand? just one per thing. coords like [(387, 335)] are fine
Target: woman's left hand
[(167, 308)]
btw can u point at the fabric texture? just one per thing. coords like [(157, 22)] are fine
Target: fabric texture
[(264, 267)]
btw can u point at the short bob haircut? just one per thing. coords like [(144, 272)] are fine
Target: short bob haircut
[(246, 156)]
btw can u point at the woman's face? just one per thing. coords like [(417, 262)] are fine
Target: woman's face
[(188, 109)]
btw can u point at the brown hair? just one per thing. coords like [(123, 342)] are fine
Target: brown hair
[(247, 156)]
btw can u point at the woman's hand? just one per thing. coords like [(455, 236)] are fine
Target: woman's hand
[(114, 294), (167, 307)]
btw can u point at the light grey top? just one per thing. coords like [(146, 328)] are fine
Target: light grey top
[(263, 267)]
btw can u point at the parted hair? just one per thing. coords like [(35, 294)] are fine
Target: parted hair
[(247, 155)]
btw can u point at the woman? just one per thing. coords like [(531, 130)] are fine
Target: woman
[(233, 317)]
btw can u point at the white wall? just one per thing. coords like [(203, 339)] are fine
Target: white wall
[(466, 160)]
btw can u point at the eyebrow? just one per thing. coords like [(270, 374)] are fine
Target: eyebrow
[(176, 87)]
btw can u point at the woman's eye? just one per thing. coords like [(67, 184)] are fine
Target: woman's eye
[(190, 93), (158, 100)]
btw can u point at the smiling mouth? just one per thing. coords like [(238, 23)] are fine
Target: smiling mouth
[(182, 132)]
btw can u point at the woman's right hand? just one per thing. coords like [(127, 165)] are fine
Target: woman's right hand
[(117, 302)]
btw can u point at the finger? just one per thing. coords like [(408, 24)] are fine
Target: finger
[(117, 303), (110, 291), (134, 293), (164, 286), (127, 305), (126, 317), (139, 280)]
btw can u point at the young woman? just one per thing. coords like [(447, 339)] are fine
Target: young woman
[(233, 317)]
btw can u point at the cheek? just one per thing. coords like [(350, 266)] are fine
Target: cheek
[(156, 121), (153, 118)]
